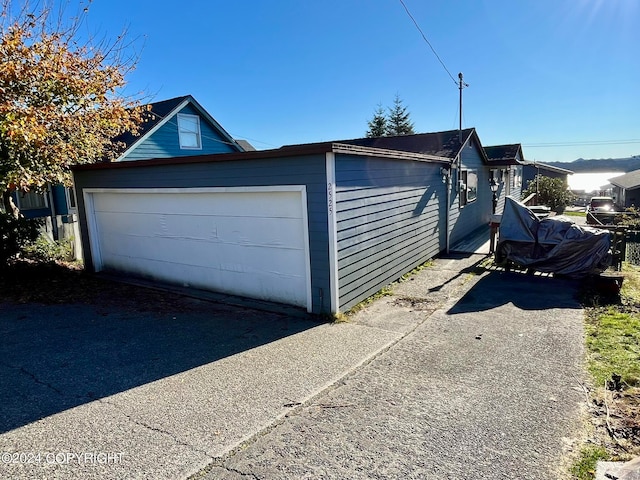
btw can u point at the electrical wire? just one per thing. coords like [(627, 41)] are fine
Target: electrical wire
[(428, 43), (583, 143)]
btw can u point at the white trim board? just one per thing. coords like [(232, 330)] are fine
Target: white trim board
[(333, 232)]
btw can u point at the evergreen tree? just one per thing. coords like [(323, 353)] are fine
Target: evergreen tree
[(378, 124), (398, 122)]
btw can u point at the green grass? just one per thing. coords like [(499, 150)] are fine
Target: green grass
[(613, 334), (613, 346), (575, 214), (585, 467), (613, 340)]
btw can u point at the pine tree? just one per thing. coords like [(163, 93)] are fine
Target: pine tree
[(378, 124), (398, 122)]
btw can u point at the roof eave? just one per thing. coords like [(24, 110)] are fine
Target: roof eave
[(288, 151)]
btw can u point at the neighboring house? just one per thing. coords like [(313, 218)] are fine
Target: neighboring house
[(177, 127), (626, 189), (470, 197), (320, 226), (173, 128), (505, 162), (532, 168)]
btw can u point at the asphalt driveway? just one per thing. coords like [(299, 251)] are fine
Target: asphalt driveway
[(122, 393), (455, 375)]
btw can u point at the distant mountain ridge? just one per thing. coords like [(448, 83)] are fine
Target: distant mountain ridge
[(582, 165)]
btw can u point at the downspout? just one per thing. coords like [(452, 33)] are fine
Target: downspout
[(454, 166), (52, 206), (448, 206)]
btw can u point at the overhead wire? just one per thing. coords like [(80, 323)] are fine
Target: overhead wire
[(428, 42), (583, 143)]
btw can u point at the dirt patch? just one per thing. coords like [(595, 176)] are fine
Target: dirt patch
[(616, 416), (24, 281), (416, 304)]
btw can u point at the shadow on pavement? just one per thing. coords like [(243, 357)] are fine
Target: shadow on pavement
[(527, 292), (56, 357)]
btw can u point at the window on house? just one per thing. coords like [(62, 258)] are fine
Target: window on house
[(31, 200), (189, 131), (468, 186), (71, 199)]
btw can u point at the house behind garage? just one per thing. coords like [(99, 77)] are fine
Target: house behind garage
[(320, 226)]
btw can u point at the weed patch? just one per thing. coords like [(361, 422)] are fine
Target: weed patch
[(612, 328), (585, 466)]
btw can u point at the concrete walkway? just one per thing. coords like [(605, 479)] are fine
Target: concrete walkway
[(455, 376), (484, 385)]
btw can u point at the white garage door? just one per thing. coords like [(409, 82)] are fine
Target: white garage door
[(249, 241)]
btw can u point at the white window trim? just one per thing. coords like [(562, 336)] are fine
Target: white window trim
[(198, 133), (67, 194), (464, 187)]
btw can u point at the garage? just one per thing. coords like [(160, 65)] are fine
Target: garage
[(247, 241)]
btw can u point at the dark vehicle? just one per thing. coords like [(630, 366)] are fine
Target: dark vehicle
[(601, 204), (603, 211)]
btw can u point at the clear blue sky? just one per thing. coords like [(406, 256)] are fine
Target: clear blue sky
[(296, 71)]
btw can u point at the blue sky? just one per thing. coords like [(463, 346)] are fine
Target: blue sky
[(295, 71)]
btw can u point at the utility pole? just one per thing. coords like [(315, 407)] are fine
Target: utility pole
[(461, 86)]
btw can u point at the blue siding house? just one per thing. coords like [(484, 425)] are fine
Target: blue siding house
[(172, 128), (178, 127), (467, 177), (506, 170), (320, 226)]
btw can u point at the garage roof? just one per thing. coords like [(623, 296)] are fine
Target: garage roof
[(287, 151)]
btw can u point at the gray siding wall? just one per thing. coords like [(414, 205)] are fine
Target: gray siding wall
[(305, 170), (510, 186), (164, 142), (517, 182), (465, 219), (389, 220)]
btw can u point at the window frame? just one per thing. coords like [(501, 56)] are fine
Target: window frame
[(72, 202), (465, 175), (21, 206), (183, 132)]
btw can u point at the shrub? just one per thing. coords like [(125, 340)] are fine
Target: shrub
[(552, 192), (15, 234), (631, 218), (44, 250)]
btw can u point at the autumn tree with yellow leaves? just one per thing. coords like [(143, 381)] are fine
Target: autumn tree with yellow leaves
[(60, 101)]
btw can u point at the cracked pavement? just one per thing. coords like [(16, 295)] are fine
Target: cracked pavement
[(170, 391), (453, 376), (483, 387)]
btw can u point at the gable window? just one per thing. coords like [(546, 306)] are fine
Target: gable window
[(31, 200), (468, 186), (189, 131)]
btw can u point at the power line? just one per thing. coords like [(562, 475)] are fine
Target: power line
[(583, 143), (428, 43)]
